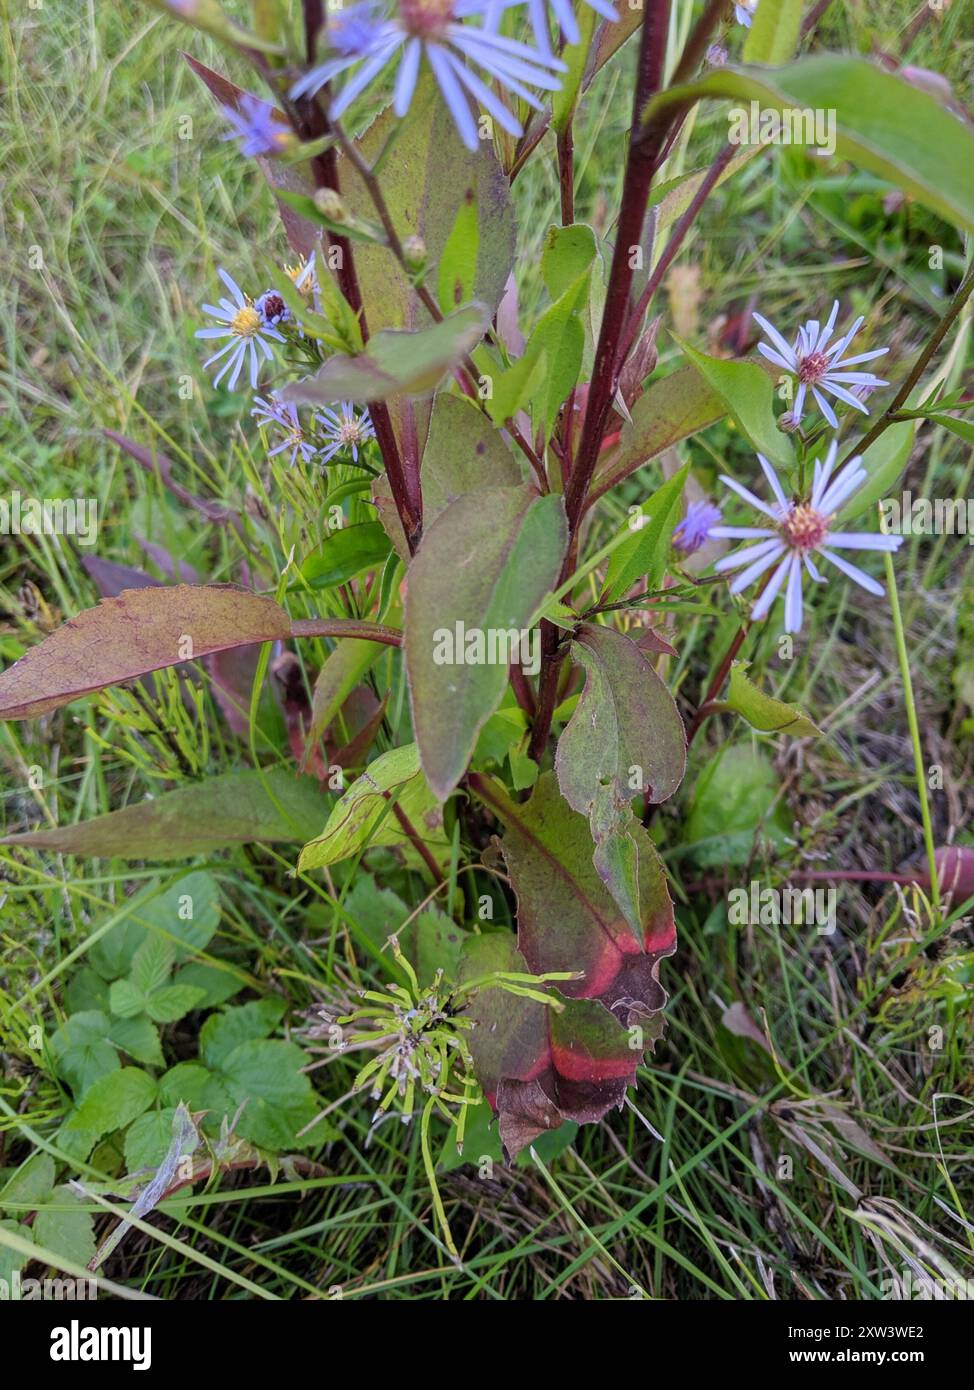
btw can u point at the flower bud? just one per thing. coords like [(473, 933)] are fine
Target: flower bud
[(414, 250), (330, 205)]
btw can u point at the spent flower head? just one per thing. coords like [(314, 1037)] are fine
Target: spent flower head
[(816, 364), (248, 334), (799, 527), (432, 29)]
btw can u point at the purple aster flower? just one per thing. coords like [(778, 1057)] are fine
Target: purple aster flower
[(744, 12), (255, 126), (815, 365), (539, 12), (431, 28), (282, 416), (797, 528), (694, 530), (246, 331), (345, 430)]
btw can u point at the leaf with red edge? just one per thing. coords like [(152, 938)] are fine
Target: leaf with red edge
[(541, 1064), (567, 919)]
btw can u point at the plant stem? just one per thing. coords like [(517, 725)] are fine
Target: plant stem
[(919, 366), (640, 166), (911, 719), (566, 175)]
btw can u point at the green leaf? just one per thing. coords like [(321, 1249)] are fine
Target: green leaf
[(221, 1033), (576, 56), (647, 551), (238, 807), (164, 925), (625, 739), (266, 1078), (86, 991), (216, 983), (137, 1038), (567, 254), (81, 1050), (747, 391), (152, 963), (464, 453), (185, 1083), (171, 1003), (485, 564), (12, 1261), (774, 32), (428, 178), (886, 461), (457, 271), (511, 390), (344, 554), (763, 711), (735, 804), (209, 17), (31, 1183), (64, 1228), (626, 732), (397, 361), (559, 335), (343, 671), (148, 1138), (364, 816), (671, 409), (883, 123), (126, 999), (111, 1103), (430, 941)]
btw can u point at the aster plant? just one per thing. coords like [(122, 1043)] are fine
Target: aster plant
[(481, 571)]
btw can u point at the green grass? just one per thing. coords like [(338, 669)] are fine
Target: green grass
[(812, 1158)]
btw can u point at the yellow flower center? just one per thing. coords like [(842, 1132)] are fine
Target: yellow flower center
[(245, 322), (294, 271)]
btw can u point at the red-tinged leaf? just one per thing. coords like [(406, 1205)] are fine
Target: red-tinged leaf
[(955, 872), (156, 463), (671, 409), (111, 578), (302, 235), (147, 629), (140, 631), (540, 1065), (237, 808), (567, 919)]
